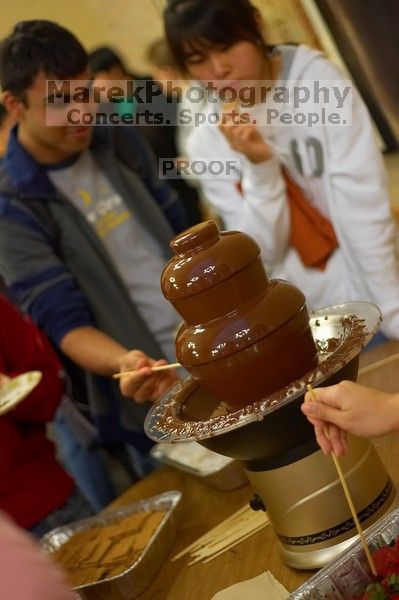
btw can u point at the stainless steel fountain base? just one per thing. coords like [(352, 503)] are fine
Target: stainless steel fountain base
[(307, 506)]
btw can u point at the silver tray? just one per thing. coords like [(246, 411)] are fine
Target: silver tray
[(339, 579), (331, 322), (139, 575), (228, 477)]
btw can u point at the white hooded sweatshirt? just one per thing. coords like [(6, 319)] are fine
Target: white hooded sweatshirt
[(341, 172)]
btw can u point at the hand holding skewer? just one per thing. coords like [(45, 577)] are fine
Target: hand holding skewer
[(143, 378), (348, 497)]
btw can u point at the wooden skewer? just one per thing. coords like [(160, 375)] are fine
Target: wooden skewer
[(223, 546), (209, 534), (233, 533), (159, 368), (379, 363), (166, 367), (354, 515), (230, 546), (223, 543), (349, 499), (235, 529)]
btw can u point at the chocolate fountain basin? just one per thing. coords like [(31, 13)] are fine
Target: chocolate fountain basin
[(281, 437), (271, 432)]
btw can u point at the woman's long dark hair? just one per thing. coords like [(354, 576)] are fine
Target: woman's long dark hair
[(200, 24)]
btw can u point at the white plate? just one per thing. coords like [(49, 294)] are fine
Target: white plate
[(17, 389)]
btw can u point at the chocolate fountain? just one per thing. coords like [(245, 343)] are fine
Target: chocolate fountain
[(251, 348)]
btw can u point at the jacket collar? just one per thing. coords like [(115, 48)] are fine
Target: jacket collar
[(26, 175)]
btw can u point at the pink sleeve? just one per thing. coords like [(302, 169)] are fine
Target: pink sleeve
[(25, 574)]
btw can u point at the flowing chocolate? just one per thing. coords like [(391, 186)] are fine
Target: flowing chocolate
[(193, 414), (244, 336)]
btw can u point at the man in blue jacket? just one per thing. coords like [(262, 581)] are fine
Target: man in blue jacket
[(85, 226)]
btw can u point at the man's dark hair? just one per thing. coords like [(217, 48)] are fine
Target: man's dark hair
[(35, 46), (104, 59)]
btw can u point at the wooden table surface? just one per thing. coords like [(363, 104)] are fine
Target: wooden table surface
[(202, 507)]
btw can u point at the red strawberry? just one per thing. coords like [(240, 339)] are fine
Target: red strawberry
[(386, 561)]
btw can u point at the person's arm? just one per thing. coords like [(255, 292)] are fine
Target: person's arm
[(46, 289), (40, 282), (97, 352), (24, 348), (360, 210), (93, 350), (26, 573), (352, 408), (260, 208)]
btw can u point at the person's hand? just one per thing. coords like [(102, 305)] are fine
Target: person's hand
[(4, 379), (144, 384), (350, 407), (245, 138), (330, 437)]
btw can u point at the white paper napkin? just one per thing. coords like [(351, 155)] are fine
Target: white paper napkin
[(263, 587)]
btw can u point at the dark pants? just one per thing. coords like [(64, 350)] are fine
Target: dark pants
[(75, 508)]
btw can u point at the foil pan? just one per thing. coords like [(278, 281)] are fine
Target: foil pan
[(224, 477), (139, 575), (348, 574)]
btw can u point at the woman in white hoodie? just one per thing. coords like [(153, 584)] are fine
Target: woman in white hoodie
[(337, 168)]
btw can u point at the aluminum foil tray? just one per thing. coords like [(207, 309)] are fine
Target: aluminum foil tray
[(340, 579), (225, 474), (139, 575)]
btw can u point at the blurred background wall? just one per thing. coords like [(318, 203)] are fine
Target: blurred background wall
[(130, 25)]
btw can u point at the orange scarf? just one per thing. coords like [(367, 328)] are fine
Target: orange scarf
[(312, 234)]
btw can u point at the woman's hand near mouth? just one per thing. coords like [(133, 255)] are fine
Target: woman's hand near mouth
[(246, 139)]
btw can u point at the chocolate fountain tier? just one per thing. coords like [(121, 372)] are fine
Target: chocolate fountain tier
[(274, 425), (244, 336)]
